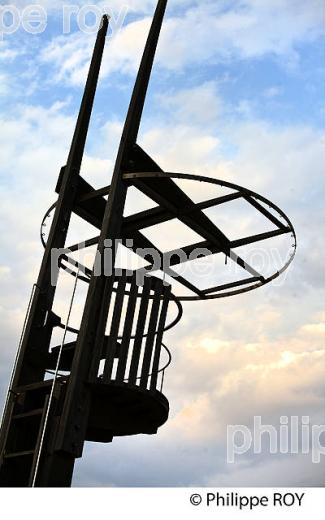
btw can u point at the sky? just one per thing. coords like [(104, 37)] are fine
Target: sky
[(237, 93)]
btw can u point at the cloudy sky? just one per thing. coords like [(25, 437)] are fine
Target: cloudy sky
[(237, 93)]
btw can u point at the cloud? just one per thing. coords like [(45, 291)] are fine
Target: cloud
[(272, 92), (4, 84), (205, 32), (70, 55), (197, 106), (8, 55), (314, 328), (242, 32)]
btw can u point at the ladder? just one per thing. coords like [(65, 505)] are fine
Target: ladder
[(25, 444)]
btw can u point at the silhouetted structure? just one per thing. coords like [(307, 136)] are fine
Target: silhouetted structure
[(113, 381)]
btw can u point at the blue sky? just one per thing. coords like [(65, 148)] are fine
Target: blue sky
[(237, 93)]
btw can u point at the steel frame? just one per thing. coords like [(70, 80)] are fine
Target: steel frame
[(133, 167)]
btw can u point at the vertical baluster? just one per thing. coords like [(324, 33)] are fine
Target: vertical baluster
[(116, 319), (151, 333), (140, 330), (124, 350), (159, 338)]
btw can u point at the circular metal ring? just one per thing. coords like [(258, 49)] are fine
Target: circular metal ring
[(226, 184)]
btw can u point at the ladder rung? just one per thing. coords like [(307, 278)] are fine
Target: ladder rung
[(31, 413), (35, 386), (19, 454)]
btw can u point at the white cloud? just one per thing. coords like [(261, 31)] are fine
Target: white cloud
[(314, 328), (186, 149), (4, 271), (205, 33), (4, 84), (70, 55), (197, 106), (213, 32), (8, 54), (272, 92)]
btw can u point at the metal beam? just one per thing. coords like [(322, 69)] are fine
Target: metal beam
[(231, 285), (188, 250), (260, 237), (265, 212), (94, 194), (154, 216)]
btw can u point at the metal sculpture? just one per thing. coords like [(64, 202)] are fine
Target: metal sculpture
[(113, 378)]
